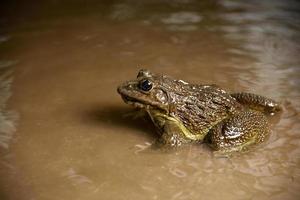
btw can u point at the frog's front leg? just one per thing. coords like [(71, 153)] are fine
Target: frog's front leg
[(238, 132), (172, 135), (257, 102)]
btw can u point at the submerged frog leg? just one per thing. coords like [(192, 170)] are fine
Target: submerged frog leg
[(238, 132), (257, 102), (172, 135)]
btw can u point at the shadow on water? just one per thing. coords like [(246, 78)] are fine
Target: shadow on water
[(128, 118), (119, 116)]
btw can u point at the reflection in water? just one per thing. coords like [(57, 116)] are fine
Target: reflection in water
[(77, 179), (182, 21), (142, 147), (3, 38), (122, 11), (266, 34), (7, 118), (76, 139), (182, 18)]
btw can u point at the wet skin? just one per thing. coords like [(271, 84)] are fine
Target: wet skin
[(185, 113)]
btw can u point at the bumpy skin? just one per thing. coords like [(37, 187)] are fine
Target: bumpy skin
[(257, 102), (239, 131), (185, 113)]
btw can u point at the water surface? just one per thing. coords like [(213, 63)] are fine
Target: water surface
[(66, 134)]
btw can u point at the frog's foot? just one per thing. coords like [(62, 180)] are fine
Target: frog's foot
[(257, 102), (238, 132), (171, 141)]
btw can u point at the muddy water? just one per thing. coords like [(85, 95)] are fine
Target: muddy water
[(66, 134)]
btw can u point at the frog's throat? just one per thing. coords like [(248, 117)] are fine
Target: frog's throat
[(194, 137)]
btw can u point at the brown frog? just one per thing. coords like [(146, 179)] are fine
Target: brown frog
[(185, 112)]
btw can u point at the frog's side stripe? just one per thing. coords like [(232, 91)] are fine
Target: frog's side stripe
[(186, 132)]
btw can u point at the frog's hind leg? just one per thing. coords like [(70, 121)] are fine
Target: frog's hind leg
[(257, 102), (238, 132)]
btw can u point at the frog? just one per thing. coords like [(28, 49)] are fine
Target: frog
[(184, 112)]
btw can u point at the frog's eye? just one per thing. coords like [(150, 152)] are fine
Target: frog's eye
[(145, 85)]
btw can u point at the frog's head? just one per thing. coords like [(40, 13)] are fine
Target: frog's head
[(147, 91)]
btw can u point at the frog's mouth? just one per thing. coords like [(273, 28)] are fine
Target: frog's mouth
[(138, 99), (133, 101)]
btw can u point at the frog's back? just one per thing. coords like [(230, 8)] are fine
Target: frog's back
[(201, 107)]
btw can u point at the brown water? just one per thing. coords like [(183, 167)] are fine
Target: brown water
[(66, 134)]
